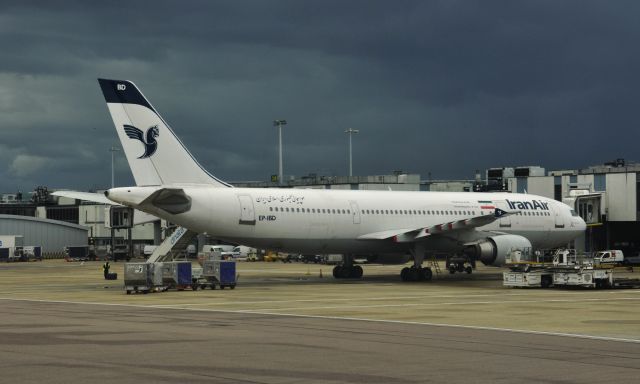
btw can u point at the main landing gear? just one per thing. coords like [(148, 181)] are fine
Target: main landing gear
[(347, 270), (460, 264), (417, 272)]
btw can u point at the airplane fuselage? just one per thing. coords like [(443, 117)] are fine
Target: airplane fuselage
[(332, 221)]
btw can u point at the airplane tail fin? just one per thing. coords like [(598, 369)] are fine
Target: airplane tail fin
[(155, 154)]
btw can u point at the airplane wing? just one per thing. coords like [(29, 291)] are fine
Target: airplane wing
[(414, 234)]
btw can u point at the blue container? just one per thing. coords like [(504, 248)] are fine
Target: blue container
[(227, 272), (183, 271)]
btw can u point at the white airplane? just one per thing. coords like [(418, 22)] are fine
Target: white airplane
[(385, 226)]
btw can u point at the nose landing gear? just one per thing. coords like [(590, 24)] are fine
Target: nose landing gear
[(460, 264)]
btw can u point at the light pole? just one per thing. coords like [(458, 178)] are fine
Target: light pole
[(113, 150), (351, 131), (279, 124)]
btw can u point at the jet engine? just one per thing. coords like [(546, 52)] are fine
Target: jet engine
[(494, 250)]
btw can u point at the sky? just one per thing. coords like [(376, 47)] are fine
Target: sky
[(439, 88)]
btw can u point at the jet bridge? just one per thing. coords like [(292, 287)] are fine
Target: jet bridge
[(172, 246)]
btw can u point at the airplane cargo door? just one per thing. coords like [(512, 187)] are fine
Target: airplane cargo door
[(247, 213), (505, 221), (355, 212)]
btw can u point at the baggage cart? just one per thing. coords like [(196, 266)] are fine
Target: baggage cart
[(221, 273), (138, 277), (177, 274)]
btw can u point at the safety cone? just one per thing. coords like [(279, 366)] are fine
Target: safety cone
[(321, 273)]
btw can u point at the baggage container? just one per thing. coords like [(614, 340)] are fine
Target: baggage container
[(176, 274), (138, 277), (218, 272)]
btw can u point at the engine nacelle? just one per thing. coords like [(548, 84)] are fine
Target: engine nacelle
[(494, 250), (387, 258)]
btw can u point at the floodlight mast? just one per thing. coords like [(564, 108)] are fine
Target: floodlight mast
[(279, 124), (113, 150), (351, 131)]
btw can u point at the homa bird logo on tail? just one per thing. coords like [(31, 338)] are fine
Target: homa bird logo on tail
[(149, 140)]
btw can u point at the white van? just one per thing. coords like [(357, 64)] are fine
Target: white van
[(610, 256), (226, 251), (242, 253)]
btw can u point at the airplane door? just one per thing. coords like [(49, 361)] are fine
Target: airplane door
[(247, 213), (505, 222), (558, 217), (355, 212)]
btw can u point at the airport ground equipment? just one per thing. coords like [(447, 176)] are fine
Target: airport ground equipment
[(77, 253), (32, 252), (221, 273), (587, 277), (614, 256), (567, 269), (177, 275), (12, 248), (541, 278), (172, 246), (138, 277)]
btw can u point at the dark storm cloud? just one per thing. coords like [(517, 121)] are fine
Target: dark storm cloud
[(445, 87)]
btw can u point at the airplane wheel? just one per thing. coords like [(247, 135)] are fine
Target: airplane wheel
[(337, 272), (356, 272), (414, 274), (452, 269), (427, 274), (404, 274), (468, 270)]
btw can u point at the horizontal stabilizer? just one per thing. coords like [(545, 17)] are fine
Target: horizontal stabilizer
[(85, 196)]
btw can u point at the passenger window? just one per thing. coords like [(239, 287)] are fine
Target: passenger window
[(271, 209), (287, 209)]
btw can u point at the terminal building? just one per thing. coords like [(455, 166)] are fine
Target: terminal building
[(606, 196)]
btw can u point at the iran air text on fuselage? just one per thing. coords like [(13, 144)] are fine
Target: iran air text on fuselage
[(533, 204)]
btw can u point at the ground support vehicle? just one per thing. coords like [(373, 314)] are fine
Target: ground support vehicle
[(587, 277), (220, 273), (539, 277), (141, 277)]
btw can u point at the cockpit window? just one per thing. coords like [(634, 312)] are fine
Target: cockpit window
[(573, 213)]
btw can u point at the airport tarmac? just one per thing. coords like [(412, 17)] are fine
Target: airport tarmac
[(61, 322)]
